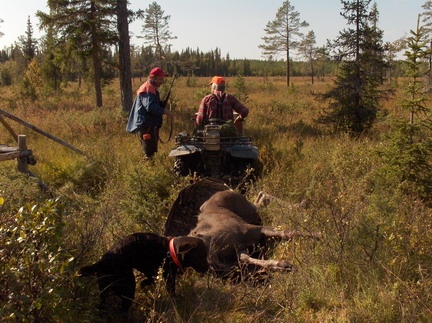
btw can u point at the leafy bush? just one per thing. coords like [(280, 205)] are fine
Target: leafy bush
[(191, 81), (32, 85), (9, 72), (147, 200), (16, 188), (35, 266)]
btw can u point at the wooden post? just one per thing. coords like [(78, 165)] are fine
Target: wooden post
[(22, 161)]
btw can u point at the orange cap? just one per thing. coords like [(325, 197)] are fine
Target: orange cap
[(218, 80)]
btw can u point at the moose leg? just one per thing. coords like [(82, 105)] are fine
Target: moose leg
[(268, 264), (286, 234), (264, 199)]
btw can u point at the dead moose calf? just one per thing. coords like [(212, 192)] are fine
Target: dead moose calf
[(145, 252), (230, 227)]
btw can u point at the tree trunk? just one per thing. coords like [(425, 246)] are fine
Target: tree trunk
[(288, 67), (430, 69), (312, 72), (124, 55), (97, 79), (97, 65), (357, 53)]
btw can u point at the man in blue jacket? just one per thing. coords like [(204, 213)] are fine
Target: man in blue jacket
[(145, 117)]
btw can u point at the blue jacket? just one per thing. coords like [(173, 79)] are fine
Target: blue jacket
[(146, 109)]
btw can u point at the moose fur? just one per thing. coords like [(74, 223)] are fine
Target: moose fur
[(231, 229)]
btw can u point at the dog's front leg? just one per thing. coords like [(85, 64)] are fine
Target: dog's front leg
[(170, 280)]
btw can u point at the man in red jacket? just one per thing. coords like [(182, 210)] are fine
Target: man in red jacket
[(219, 105)]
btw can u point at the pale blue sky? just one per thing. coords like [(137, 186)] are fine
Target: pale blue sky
[(235, 26)]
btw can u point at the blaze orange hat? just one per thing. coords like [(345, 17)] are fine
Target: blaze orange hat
[(158, 71), (218, 80)]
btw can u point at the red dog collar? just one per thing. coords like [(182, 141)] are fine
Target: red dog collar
[(173, 253)]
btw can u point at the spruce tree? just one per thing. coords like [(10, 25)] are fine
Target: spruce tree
[(28, 43), (89, 27), (52, 60), (427, 19), (417, 50), (355, 97), (282, 34), (406, 155)]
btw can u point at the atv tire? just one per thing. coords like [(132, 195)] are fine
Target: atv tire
[(187, 165)]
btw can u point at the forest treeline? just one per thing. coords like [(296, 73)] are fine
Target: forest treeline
[(89, 41), (67, 56), (188, 62)]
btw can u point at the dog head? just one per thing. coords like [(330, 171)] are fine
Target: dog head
[(192, 252)]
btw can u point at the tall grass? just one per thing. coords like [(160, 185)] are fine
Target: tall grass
[(374, 260)]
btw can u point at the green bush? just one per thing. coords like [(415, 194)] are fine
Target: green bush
[(16, 188), (35, 266)]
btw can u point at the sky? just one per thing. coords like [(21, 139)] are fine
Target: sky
[(234, 26)]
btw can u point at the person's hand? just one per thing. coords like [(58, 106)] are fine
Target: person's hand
[(238, 119), (169, 114)]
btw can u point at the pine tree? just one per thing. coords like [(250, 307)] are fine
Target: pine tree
[(88, 26), (282, 33), (354, 99), (310, 51), (156, 30)]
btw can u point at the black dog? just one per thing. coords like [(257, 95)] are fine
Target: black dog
[(145, 252)]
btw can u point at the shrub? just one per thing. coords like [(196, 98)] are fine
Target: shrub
[(35, 266), (241, 89)]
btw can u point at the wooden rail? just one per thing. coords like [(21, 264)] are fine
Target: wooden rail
[(40, 131)]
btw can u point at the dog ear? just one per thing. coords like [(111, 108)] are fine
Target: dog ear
[(185, 244)]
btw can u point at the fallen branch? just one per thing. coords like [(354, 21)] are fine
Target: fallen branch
[(46, 134)]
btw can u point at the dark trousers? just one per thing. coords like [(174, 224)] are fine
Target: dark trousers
[(149, 137)]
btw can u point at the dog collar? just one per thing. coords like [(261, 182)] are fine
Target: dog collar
[(173, 253)]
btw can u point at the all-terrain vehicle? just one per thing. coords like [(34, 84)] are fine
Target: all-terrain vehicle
[(219, 150)]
